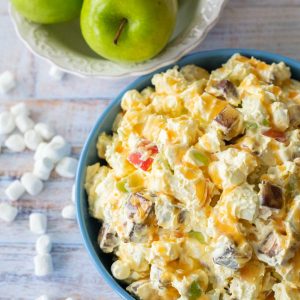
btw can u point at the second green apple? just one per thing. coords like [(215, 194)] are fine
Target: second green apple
[(48, 11), (128, 31)]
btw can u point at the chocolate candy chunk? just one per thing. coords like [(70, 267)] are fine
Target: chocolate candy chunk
[(107, 239), (271, 195), (228, 88)]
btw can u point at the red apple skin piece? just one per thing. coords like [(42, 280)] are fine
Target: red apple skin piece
[(145, 165), (135, 157), (275, 134)]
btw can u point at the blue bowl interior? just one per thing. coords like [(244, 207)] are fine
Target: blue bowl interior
[(89, 227)]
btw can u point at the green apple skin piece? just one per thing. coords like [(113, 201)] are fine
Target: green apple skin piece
[(149, 26), (48, 11)]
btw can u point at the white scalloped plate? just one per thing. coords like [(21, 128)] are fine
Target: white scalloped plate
[(64, 46)]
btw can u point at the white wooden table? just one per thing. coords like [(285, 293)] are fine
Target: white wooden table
[(272, 25)]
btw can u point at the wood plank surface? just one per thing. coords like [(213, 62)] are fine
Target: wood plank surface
[(272, 25), (74, 274)]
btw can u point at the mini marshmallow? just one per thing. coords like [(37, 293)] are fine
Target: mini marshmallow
[(39, 152), (43, 297), (7, 212), (69, 212), (15, 190), (42, 168), (20, 109), (73, 193), (7, 82), (43, 244), (67, 167), (7, 123), (43, 265), (120, 270), (32, 139), (56, 73), (38, 223), (57, 149), (69, 298), (32, 184), (24, 123), (15, 143), (45, 131)]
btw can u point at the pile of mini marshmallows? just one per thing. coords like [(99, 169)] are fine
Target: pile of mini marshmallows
[(51, 152), (42, 169)]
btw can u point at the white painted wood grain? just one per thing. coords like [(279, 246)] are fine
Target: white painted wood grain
[(3, 7), (275, 29), (72, 107), (259, 3), (74, 274)]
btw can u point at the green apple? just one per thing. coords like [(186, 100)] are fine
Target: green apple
[(48, 11), (128, 30)]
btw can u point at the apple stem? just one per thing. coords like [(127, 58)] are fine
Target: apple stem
[(120, 30)]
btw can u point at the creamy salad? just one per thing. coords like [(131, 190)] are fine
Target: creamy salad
[(198, 185)]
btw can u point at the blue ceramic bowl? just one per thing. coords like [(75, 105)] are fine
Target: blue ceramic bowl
[(89, 227)]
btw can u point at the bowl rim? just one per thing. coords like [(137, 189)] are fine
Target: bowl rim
[(260, 54), (53, 61)]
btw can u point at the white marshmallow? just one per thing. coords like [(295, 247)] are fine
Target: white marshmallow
[(20, 109), (15, 190), (69, 212), (7, 212), (24, 123), (73, 193), (67, 167), (69, 298), (43, 297), (7, 82), (45, 131), (38, 223), (43, 244), (56, 73), (15, 143), (39, 152), (43, 265), (32, 184), (57, 149), (7, 122), (42, 168), (32, 139), (120, 270)]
